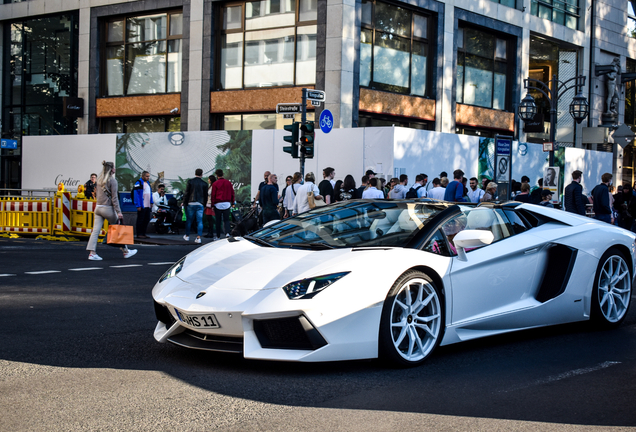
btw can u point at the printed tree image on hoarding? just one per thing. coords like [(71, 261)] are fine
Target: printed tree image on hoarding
[(178, 154)]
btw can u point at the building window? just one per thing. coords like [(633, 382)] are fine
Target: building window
[(143, 54), (509, 3), (40, 68), (268, 43), (482, 69), (141, 125), (564, 12), (394, 49), (375, 120), (257, 121)]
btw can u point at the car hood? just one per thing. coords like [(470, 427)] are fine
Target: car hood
[(242, 265)]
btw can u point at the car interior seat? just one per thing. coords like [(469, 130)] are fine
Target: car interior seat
[(484, 219)]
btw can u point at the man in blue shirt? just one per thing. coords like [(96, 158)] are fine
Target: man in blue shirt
[(455, 189)]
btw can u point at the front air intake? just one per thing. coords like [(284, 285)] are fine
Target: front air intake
[(288, 333), (164, 315)]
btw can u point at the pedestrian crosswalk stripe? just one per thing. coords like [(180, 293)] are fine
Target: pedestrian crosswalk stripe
[(43, 272)]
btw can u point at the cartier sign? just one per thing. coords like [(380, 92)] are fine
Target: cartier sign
[(73, 107)]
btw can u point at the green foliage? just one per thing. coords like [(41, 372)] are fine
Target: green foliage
[(180, 185), (126, 175), (236, 162), (486, 157)]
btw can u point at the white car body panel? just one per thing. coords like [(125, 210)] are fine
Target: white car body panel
[(492, 292)]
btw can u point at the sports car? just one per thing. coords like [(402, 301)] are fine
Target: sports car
[(394, 279)]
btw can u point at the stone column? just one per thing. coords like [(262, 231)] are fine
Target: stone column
[(339, 60), (445, 110), (83, 66), (195, 66)]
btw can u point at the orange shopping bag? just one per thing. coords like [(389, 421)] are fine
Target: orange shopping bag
[(120, 235)]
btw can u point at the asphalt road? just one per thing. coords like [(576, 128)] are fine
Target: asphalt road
[(77, 353)]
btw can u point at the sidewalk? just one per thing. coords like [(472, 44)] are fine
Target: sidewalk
[(170, 239)]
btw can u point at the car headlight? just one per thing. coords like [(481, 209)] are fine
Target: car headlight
[(307, 288), (172, 271)]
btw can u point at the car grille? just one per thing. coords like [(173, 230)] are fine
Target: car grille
[(192, 339), (288, 333)]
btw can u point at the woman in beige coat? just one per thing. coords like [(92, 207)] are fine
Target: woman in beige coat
[(107, 208)]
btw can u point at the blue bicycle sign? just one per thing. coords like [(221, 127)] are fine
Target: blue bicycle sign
[(326, 121)]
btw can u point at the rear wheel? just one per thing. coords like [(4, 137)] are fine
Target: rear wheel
[(612, 290), (412, 323)]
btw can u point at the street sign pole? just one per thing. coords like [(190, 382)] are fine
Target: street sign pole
[(303, 119)]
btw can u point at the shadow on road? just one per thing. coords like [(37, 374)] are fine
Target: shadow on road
[(100, 324)]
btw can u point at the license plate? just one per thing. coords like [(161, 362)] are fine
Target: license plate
[(153, 220), (198, 321)]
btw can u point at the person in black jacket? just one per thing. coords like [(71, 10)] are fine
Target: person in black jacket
[(194, 200), (601, 200), (574, 199)]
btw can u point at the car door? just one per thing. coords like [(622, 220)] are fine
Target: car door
[(496, 278)]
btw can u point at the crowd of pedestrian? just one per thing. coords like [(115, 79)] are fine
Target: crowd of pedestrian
[(214, 198)]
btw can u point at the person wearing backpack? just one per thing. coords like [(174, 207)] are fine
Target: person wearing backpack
[(418, 190)]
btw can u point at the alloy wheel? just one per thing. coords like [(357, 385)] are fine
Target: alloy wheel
[(416, 319)]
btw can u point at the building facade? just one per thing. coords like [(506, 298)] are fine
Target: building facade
[(452, 66)]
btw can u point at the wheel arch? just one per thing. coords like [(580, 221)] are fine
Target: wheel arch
[(433, 275), (624, 250)]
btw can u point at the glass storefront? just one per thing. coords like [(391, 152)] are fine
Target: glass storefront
[(40, 68), (139, 125), (268, 43), (394, 49), (482, 69), (143, 55), (258, 121), (546, 60)]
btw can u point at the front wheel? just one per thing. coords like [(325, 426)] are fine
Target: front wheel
[(612, 290), (412, 323)]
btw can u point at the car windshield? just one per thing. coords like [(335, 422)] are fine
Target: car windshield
[(351, 224)]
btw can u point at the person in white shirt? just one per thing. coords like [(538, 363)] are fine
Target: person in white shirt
[(290, 194), (475, 194), (420, 185), (373, 192), (159, 197), (437, 191), (301, 203)]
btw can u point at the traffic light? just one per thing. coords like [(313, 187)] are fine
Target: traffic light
[(307, 136), (292, 139)]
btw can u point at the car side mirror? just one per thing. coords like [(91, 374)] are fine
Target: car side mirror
[(471, 239)]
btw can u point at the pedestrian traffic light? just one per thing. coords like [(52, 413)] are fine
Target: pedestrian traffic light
[(292, 139), (307, 139)]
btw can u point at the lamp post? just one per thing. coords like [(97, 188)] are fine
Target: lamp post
[(553, 90)]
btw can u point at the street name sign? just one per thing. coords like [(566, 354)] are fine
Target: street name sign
[(288, 108), (316, 95)]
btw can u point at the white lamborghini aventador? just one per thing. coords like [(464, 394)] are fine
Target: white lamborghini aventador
[(394, 279)]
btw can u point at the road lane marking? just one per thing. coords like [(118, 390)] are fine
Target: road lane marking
[(563, 376), (7, 274), (86, 268), (43, 272), (128, 265), (161, 263)]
